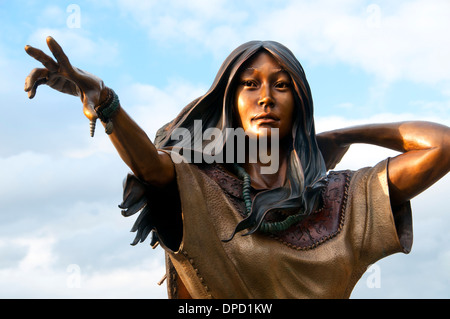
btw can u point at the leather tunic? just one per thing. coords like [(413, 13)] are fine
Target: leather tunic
[(322, 256)]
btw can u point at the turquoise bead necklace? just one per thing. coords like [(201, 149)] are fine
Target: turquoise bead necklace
[(266, 227)]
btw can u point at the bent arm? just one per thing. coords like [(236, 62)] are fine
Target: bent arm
[(425, 154)]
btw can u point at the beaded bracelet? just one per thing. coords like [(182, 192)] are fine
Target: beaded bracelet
[(107, 109)]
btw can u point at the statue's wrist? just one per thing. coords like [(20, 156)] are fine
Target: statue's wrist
[(108, 108)]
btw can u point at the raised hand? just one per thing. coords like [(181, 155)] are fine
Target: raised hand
[(62, 76)]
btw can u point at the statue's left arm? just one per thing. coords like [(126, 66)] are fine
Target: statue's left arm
[(425, 157)]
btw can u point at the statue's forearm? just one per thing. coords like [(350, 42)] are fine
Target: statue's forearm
[(402, 137), (138, 152)]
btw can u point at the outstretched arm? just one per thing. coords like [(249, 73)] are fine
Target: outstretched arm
[(425, 154), (131, 142), (139, 153)]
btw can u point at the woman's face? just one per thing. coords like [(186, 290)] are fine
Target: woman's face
[(264, 97)]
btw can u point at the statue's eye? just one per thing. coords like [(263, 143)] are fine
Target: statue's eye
[(248, 83), (282, 85)]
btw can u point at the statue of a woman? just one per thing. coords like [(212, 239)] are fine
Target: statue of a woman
[(231, 229)]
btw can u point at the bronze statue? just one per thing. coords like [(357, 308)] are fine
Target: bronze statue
[(307, 232)]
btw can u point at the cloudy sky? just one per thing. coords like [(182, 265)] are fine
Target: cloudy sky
[(62, 235)]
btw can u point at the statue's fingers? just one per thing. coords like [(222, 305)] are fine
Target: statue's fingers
[(59, 54), (35, 75), (39, 55), (34, 79)]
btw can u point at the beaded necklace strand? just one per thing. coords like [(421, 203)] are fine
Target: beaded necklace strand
[(266, 227)]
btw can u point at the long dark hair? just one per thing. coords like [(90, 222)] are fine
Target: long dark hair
[(306, 168)]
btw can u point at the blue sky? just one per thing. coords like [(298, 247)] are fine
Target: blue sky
[(62, 235)]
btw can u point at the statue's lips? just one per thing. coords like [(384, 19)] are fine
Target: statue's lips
[(266, 118)]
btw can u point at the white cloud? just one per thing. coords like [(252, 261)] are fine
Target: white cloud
[(403, 41), (153, 107), (212, 25), (40, 274), (39, 253), (32, 177), (391, 42), (81, 45), (52, 13)]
